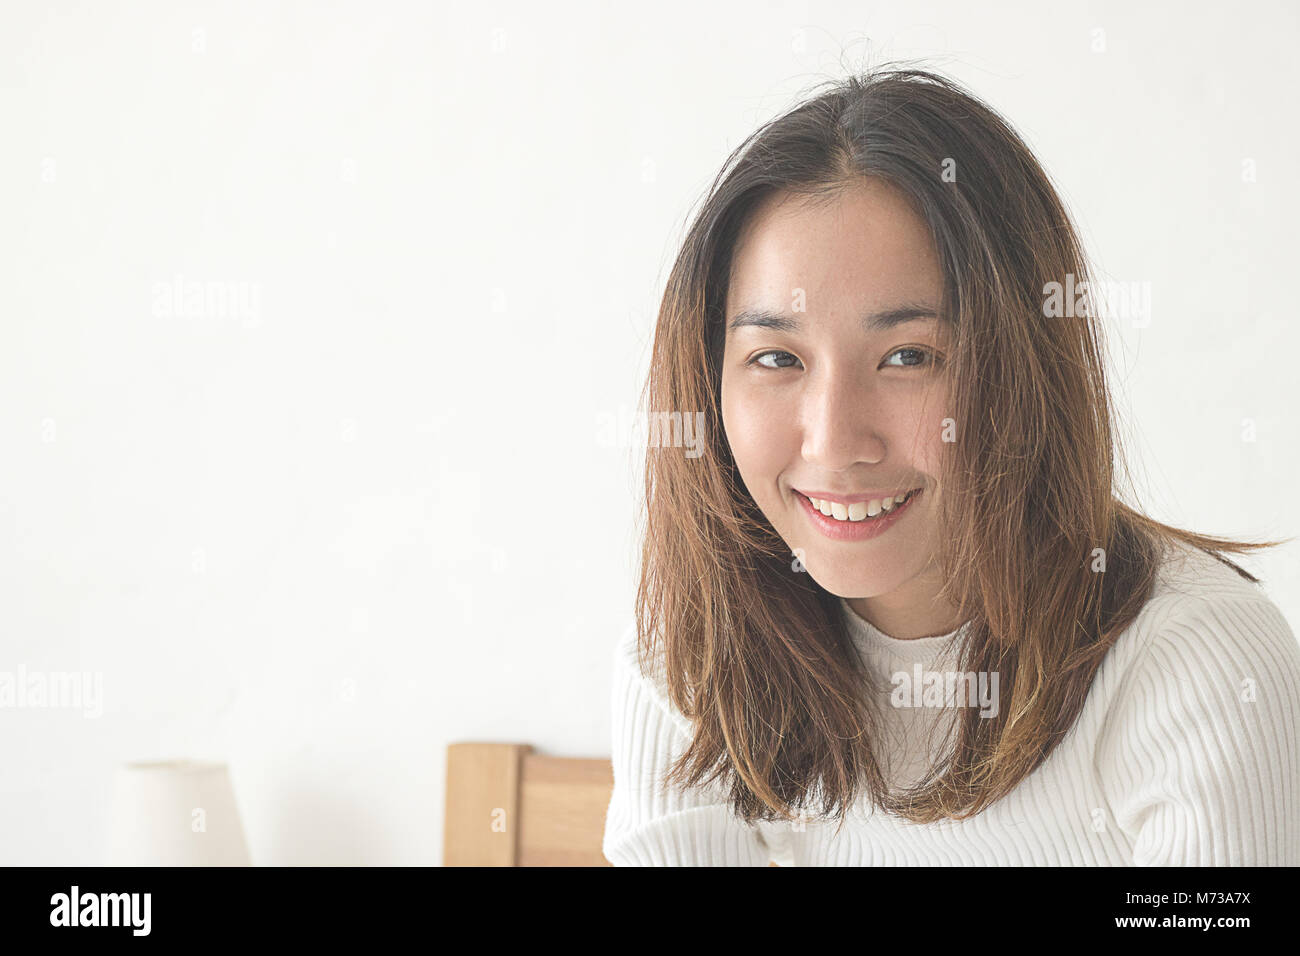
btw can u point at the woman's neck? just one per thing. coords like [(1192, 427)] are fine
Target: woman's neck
[(911, 612)]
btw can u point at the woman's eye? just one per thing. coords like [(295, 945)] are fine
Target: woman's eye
[(758, 359), (921, 355), (914, 357)]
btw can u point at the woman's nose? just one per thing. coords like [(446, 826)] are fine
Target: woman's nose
[(842, 426)]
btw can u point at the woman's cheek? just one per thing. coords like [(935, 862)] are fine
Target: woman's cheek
[(746, 442), (754, 435)]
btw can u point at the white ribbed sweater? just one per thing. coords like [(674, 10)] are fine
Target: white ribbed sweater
[(1187, 752)]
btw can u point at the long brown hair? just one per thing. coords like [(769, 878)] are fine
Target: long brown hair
[(758, 657)]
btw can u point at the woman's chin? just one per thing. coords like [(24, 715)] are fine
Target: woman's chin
[(865, 583)]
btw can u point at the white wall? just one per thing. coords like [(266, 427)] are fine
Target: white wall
[(323, 538)]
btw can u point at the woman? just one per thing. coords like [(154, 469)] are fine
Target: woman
[(895, 614)]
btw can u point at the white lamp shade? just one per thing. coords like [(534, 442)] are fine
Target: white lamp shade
[(175, 813)]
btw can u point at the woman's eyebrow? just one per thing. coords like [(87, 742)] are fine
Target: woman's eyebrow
[(872, 322)]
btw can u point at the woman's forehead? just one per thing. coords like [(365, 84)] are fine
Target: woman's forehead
[(864, 251)]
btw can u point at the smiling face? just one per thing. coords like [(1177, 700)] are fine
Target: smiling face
[(831, 383)]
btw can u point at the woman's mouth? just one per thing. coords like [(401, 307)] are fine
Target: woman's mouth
[(859, 520)]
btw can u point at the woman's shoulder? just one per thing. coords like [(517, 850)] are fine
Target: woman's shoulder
[(628, 655), (1200, 591), (1205, 622), (642, 680), (1187, 571), (1194, 716)]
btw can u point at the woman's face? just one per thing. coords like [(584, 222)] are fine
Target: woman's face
[(835, 393)]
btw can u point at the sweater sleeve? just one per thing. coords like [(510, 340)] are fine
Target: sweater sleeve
[(1200, 757), (647, 825)]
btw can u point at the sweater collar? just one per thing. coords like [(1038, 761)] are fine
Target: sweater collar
[(871, 640)]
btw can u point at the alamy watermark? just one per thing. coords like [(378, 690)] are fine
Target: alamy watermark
[(922, 688), (194, 299), (626, 428), (55, 689), (76, 908), (1100, 299)]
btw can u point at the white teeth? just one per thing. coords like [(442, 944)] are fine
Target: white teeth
[(859, 510)]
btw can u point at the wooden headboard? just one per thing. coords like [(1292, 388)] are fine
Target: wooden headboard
[(507, 806)]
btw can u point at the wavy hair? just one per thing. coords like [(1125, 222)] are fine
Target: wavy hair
[(758, 658)]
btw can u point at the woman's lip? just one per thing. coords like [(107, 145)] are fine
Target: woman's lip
[(856, 530), (853, 499)]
